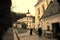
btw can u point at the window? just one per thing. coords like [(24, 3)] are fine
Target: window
[(43, 8), (48, 28), (27, 23), (27, 17), (38, 11), (47, 2), (30, 24)]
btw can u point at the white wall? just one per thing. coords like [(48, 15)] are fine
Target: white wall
[(50, 20), (30, 21), (39, 5)]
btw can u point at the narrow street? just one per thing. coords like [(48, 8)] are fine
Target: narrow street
[(27, 36)]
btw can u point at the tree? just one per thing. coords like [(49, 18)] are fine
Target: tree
[(5, 16)]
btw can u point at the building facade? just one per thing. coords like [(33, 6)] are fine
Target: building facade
[(29, 20), (40, 8), (51, 18), (48, 16)]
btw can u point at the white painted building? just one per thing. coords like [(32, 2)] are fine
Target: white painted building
[(51, 18), (29, 20)]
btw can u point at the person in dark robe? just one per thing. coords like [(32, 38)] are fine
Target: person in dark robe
[(31, 31), (39, 31)]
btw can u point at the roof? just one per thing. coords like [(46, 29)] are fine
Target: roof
[(30, 16), (38, 2), (52, 9)]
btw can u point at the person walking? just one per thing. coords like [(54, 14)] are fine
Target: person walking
[(39, 31), (31, 31)]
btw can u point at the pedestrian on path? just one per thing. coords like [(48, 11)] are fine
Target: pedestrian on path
[(39, 31), (31, 31)]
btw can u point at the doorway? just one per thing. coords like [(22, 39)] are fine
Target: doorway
[(55, 29)]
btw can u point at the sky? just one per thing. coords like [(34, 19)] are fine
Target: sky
[(23, 6)]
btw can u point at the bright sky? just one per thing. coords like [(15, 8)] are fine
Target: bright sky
[(23, 5)]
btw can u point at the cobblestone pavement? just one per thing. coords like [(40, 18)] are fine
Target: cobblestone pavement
[(27, 36)]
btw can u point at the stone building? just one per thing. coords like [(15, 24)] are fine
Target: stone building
[(29, 20), (48, 15), (51, 18), (40, 7)]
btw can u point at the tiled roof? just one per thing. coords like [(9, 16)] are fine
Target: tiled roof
[(52, 9)]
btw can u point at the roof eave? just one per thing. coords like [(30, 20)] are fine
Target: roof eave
[(37, 3)]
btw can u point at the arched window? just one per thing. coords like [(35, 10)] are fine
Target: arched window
[(47, 1), (43, 8), (48, 28), (38, 11)]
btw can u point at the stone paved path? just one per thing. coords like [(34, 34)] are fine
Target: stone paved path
[(27, 36), (8, 35)]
